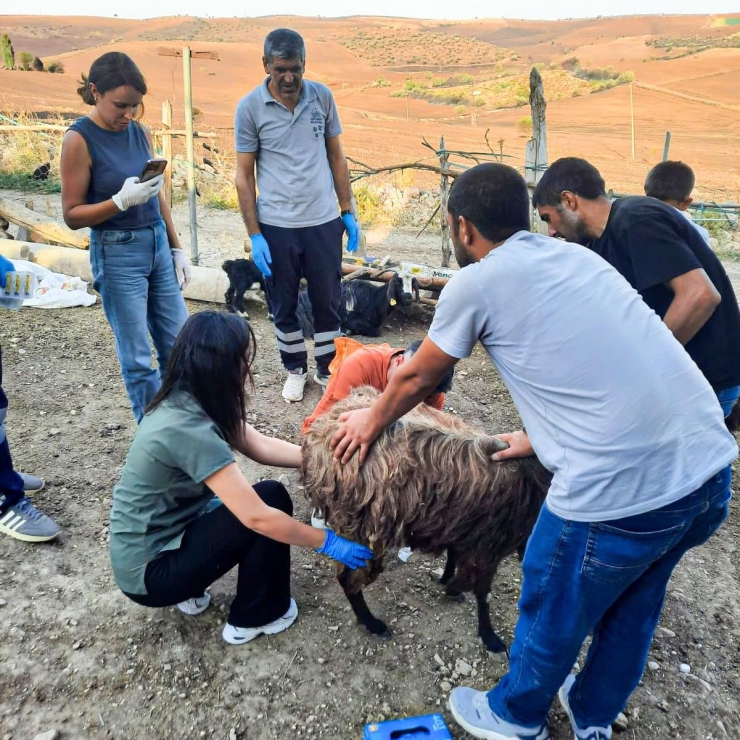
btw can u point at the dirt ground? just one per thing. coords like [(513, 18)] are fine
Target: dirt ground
[(77, 657)]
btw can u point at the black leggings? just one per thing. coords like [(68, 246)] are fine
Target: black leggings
[(211, 546)]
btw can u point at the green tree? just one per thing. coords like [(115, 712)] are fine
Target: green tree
[(25, 60), (6, 49)]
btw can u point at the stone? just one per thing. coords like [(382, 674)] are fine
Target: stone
[(232, 734), (684, 668), (666, 632), (653, 666), (446, 686), (463, 668), (48, 735), (621, 724), (17, 632), (284, 481), (437, 659)]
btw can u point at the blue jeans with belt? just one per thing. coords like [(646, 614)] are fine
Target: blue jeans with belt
[(135, 275), (604, 578)]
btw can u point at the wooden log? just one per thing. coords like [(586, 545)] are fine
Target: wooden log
[(207, 284), (49, 230), (160, 132), (190, 153), (444, 193), (27, 235)]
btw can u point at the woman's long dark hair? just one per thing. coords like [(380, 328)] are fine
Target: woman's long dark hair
[(212, 361)]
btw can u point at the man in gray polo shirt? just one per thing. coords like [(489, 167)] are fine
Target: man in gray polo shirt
[(289, 129)]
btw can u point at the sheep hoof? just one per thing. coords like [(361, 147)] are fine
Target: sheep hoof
[(457, 598), (494, 644), (378, 629)]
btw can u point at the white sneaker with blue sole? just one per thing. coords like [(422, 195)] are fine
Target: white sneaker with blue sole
[(471, 711), (195, 605), (590, 733), (240, 635)]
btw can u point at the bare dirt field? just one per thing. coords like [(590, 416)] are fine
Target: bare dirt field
[(77, 657)]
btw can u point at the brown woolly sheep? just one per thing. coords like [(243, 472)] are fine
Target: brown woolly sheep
[(428, 483)]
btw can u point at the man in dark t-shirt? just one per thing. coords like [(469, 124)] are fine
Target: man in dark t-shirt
[(661, 255)]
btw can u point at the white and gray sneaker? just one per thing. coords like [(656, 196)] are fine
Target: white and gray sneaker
[(31, 483), (195, 605), (240, 635), (294, 385), (23, 521)]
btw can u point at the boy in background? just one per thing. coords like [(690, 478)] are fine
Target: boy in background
[(672, 182)]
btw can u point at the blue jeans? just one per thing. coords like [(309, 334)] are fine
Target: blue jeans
[(728, 398), (134, 273), (605, 578)]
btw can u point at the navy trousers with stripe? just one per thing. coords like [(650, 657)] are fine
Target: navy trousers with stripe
[(11, 484), (313, 252)]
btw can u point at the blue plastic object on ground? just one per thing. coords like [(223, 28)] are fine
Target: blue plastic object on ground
[(426, 727)]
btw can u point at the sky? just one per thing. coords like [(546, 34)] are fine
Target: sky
[(442, 9)]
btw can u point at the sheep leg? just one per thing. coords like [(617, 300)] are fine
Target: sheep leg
[(446, 577), (485, 629), (359, 606)]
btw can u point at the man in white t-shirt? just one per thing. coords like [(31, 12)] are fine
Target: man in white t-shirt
[(620, 414)]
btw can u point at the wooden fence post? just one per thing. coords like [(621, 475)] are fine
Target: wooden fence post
[(444, 192), (190, 153), (667, 145), (167, 150), (535, 152)]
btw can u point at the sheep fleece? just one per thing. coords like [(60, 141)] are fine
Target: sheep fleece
[(428, 482)]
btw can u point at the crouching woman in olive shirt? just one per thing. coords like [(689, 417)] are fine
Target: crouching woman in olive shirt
[(167, 545)]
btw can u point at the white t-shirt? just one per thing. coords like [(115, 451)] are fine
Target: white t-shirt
[(704, 233), (614, 406)]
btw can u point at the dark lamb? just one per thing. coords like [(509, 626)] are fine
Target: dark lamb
[(363, 306), (428, 483), (243, 275)]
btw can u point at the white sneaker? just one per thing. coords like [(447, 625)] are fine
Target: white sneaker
[(322, 380), (240, 635), (195, 606), (294, 385), (317, 519)]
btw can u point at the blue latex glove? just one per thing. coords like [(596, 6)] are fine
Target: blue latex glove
[(6, 266), (353, 233), (348, 553), (261, 254)]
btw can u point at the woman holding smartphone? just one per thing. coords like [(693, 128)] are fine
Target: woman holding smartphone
[(138, 266)]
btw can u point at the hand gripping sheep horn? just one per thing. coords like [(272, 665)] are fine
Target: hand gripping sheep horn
[(429, 483)]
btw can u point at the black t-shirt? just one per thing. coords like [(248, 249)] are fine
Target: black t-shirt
[(650, 244)]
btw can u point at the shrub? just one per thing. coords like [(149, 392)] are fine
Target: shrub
[(6, 50), (464, 78), (460, 110), (25, 60), (56, 67), (479, 101), (381, 82), (524, 124), (220, 195), (369, 204), (409, 85)]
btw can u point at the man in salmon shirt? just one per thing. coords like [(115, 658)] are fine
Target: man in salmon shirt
[(373, 366)]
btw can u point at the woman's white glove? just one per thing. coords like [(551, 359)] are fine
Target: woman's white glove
[(182, 268), (135, 193)]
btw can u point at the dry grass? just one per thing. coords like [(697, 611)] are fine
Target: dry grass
[(21, 152)]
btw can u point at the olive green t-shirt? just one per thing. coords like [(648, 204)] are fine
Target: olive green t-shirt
[(162, 489)]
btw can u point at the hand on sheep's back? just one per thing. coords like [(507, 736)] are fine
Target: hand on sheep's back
[(512, 446), (357, 431)]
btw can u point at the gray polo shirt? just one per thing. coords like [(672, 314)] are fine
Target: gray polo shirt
[(294, 180)]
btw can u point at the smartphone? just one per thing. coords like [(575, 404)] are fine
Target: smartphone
[(152, 168)]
